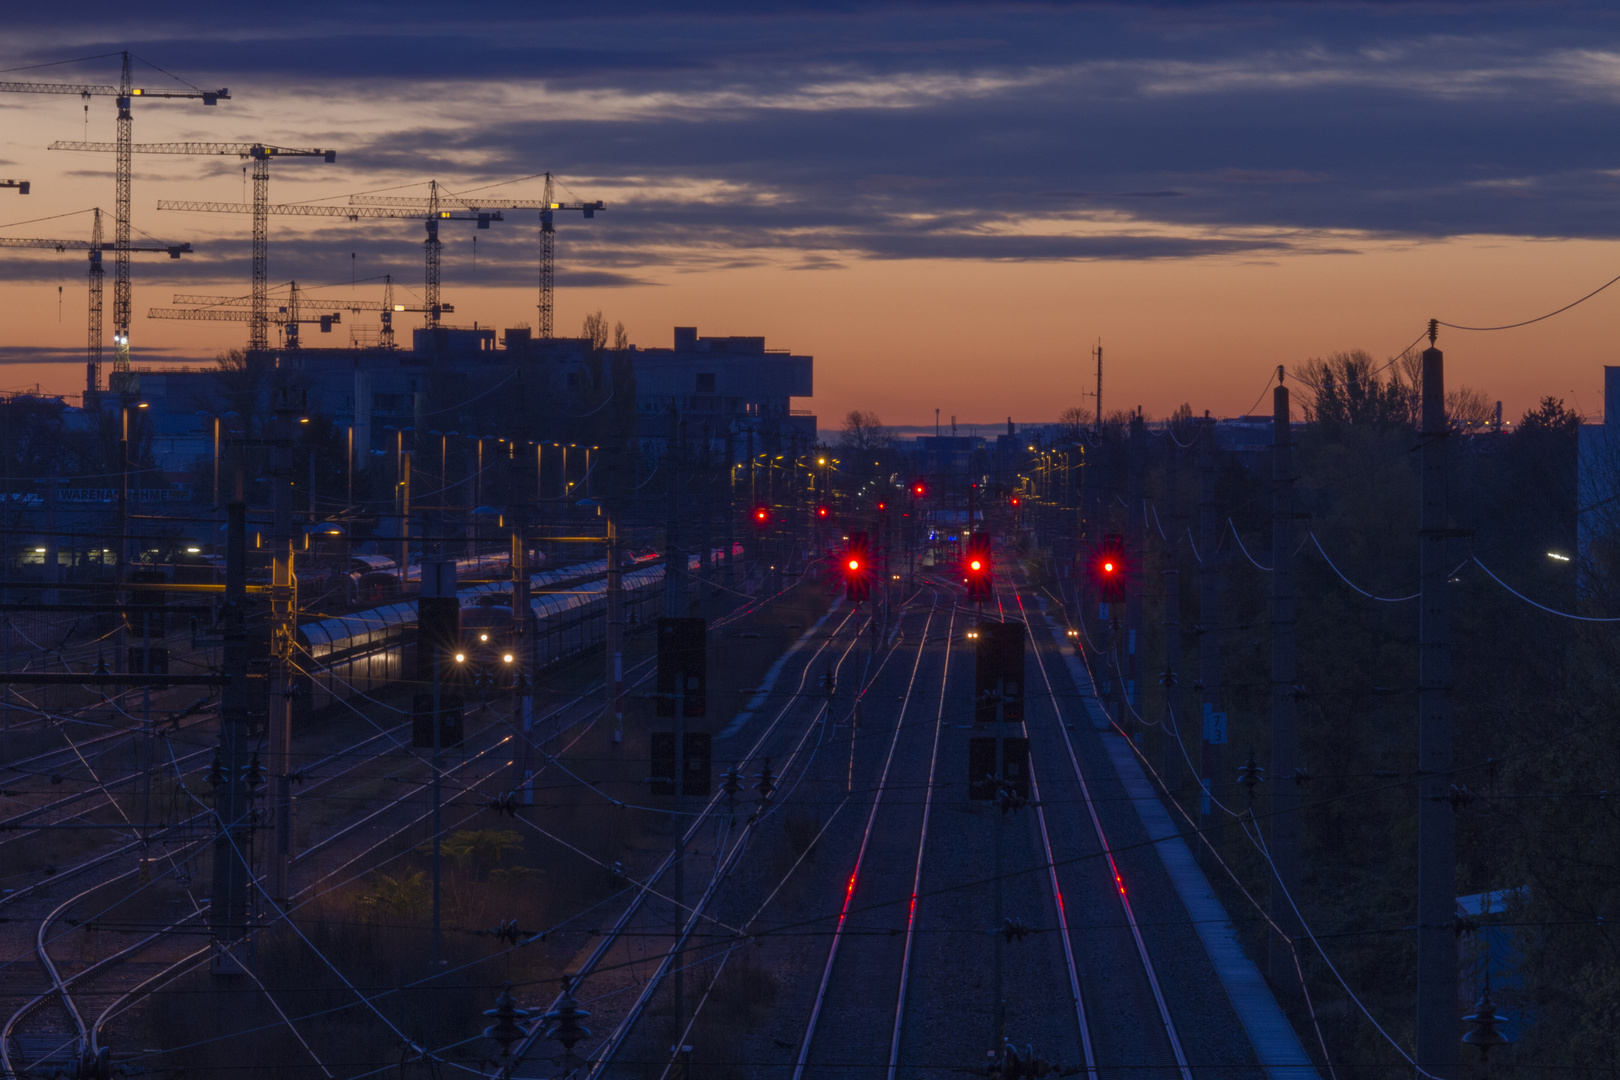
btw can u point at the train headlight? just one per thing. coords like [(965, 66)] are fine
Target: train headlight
[(507, 658), (461, 658), (483, 637)]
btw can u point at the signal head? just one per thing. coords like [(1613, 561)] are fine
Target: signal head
[(821, 511), (975, 565), (854, 564)]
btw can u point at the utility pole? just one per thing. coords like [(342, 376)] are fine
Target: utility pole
[(728, 529), (523, 643), (1284, 704), (227, 913), (289, 402), (1136, 518), (1099, 392), (438, 617), (1437, 1054), (674, 558), (1209, 616), (705, 588), (615, 626), (1175, 719), (404, 516)]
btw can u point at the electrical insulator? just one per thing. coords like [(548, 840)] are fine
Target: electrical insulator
[(766, 783), (562, 1024), (1482, 1030), (1251, 775), (506, 1014), (216, 771), (254, 776)]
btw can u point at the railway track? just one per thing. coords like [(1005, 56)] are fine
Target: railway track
[(51, 1026), (842, 1027), (1084, 868), (636, 913)]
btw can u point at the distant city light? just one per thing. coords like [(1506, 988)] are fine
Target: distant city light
[(1555, 555), (193, 551)]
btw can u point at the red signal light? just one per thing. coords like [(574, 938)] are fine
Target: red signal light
[(821, 511), (1108, 569), (883, 506), (1015, 500), (857, 579), (974, 565)]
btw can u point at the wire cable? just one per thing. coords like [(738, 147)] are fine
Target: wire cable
[(1538, 318)]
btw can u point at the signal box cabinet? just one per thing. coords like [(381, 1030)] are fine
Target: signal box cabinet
[(451, 721), (998, 673), (683, 665), (982, 770), (697, 772)]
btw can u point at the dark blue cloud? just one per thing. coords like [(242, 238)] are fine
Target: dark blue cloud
[(911, 130)]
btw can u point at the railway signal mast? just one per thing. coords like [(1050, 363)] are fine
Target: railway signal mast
[(856, 565), (1109, 572), (23, 186), (977, 571)]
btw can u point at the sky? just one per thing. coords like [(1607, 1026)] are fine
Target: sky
[(946, 204)]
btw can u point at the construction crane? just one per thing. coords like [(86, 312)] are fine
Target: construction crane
[(432, 216), (548, 208), (122, 94), (260, 154), (95, 246), (386, 306), (292, 316), (22, 186)]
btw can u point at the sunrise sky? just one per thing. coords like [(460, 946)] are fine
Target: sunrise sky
[(945, 204)]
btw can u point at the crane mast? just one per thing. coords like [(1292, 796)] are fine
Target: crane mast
[(548, 235), (122, 95), (548, 258), (92, 371), (260, 154), (121, 180)]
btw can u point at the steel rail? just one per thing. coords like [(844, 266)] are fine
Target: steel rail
[(611, 1046), (922, 844), (1165, 1020), (860, 857)]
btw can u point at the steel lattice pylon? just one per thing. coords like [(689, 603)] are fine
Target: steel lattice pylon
[(121, 182), (259, 327), (260, 154), (92, 373), (548, 258), (433, 252)]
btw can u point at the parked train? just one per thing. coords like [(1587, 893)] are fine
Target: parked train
[(351, 655)]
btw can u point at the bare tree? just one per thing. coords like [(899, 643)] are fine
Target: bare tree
[(864, 431), (595, 331), (1073, 423)]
